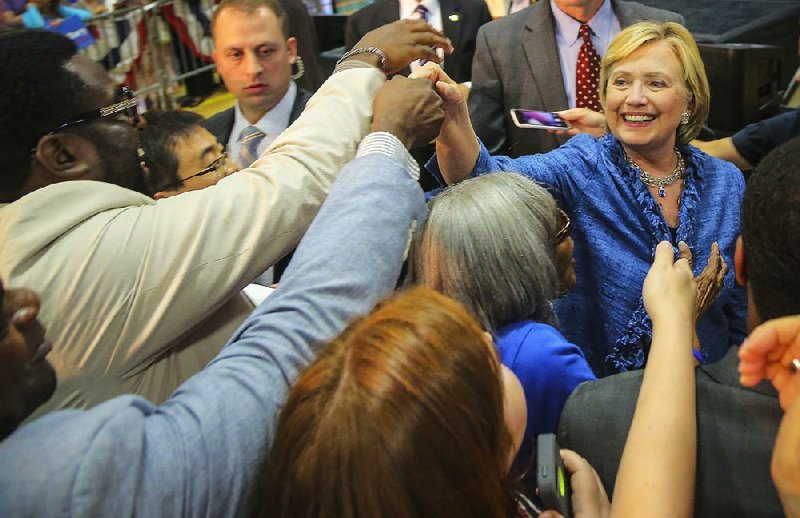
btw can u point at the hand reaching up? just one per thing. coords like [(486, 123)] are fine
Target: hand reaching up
[(404, 41), (409, 109), (768, 353)]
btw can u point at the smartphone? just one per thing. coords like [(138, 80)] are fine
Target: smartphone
[(537, 119), (551, 478)]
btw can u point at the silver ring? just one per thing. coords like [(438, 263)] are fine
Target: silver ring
[(795, 366)]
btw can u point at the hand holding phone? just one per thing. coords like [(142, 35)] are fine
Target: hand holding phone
[(552, 479), (538, 120)]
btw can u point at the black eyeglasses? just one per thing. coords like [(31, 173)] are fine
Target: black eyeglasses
[(217, 165), (127, 106), (564, 233)]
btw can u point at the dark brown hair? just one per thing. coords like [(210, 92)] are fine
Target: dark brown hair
[(251, 6), (401, 415)]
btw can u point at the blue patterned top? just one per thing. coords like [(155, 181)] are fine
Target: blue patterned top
[(616, 226)]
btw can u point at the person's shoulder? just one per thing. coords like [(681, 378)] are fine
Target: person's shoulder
[(645, 12), (618, 387), (220, 123), (367, 12), (715, 170), (504, 27)]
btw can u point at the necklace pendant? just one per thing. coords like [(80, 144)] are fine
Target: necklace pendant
[(662, 192)]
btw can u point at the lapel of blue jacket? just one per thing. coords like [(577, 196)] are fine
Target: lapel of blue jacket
[(539, 44)]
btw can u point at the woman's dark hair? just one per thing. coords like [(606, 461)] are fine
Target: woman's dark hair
[(401, 415)]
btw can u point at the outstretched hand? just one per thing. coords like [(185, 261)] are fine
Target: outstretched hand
[(409, 109), (768, 353), (453, 94), (669, 292), (582, 120), (405, 41), (589, 498), (710, 281)]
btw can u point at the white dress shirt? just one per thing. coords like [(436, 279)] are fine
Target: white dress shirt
[(434, 19), (605, 25), (272, 123)]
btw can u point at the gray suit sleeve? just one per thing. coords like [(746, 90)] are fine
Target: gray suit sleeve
[(486, 107)]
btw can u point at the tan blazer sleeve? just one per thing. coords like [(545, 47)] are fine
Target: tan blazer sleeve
[(132, 279)]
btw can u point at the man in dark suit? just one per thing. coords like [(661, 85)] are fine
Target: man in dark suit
[(254, 58), (528, 60), (736, 426), (458, 19)]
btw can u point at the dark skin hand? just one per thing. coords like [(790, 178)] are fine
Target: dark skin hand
[(409, 109), (402, 42), (709, 282)]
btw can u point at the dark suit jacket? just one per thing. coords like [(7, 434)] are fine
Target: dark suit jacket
[(469, 15), (221, 124), (517, 66), (736, 428)]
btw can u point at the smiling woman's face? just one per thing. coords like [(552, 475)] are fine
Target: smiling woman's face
[(645, 97), (26, 378)]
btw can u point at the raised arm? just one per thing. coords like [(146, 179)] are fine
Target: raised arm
[(457, 147), (189, 254), (657, 470)]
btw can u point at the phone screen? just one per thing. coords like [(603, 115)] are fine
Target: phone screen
[(533, 118)]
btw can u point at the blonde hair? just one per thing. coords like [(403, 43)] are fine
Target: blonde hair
[(684, 48)]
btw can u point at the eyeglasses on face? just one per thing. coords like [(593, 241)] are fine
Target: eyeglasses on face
[(564, 233), (219, 165)]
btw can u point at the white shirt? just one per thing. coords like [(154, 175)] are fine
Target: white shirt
[(434, 19), (605, 25), (272, 123)]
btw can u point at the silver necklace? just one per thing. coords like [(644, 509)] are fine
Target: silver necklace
[(651, 181)]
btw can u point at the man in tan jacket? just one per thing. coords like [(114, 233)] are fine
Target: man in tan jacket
[(140, 294)]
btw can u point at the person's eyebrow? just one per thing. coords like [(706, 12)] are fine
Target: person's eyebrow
[(208, 151)]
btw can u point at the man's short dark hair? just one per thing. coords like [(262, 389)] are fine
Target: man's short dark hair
[(251, 6), (771, 232), (163, 131), (36, 95)]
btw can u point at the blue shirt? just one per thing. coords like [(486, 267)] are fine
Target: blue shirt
[(200, 452), (616, 227), (548, 367)]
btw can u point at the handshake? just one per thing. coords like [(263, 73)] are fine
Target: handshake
[(412, 109)]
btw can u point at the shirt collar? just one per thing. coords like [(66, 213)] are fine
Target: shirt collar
[(567, 27), (407, 7), (274, 121)]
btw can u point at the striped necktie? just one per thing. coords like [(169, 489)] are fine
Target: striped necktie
[(421, 13), (249, 139)]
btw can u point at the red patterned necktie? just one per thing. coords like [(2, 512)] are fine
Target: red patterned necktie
[(587, 72)]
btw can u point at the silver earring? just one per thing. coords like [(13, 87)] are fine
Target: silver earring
[(301, 68), (685, 118)]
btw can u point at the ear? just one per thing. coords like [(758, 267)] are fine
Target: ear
[(215, 56), (292, 44), (739, 262), (62, 155)]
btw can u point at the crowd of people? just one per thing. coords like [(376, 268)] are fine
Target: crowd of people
[(599, 283)]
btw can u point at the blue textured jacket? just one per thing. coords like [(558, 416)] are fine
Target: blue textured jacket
[(616, 227)]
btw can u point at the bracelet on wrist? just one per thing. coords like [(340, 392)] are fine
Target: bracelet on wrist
[(698, 356), (364, 50)]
